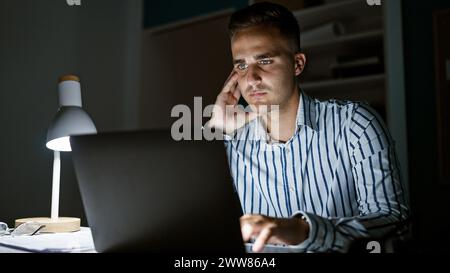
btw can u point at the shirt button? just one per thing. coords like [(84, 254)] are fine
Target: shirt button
[(291, 189)]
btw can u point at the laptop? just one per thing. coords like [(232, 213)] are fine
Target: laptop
[(143, 191)]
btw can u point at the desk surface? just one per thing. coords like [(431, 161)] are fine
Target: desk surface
[(73, 242)]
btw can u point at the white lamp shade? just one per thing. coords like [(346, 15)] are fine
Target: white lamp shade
[(69, 121)]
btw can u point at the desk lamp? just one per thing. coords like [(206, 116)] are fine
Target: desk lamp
[(70, 119)]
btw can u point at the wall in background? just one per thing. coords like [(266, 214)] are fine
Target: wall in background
[(39, 41), (180, 62), (160, 12), (429, 200), (101, 40)]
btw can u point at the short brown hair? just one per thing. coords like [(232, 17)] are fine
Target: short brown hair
[(267, 14)]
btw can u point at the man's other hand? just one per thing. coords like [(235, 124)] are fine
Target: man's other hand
[(269, 230)]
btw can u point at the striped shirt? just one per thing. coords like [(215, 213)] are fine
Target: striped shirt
[(339, 170)]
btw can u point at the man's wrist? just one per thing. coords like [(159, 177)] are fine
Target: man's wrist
[(304, 226)]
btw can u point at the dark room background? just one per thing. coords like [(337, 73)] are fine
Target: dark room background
[(118, 48)]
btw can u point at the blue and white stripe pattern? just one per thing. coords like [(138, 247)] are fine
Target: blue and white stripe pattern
[(339, 170)]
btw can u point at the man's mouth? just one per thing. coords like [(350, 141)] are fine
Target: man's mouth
[(257, 94)]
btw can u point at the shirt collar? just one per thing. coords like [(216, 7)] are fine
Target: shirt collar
[(306, 113), (306, 116)]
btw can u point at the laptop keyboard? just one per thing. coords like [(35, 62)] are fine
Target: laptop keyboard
[(272, 249)]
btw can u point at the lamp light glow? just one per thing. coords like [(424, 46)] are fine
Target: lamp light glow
[(60, 144)]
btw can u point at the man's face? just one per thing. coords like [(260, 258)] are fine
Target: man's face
[(265, 63)]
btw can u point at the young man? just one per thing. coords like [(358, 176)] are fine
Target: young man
[(312, 175)]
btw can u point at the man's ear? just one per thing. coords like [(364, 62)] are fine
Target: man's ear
[(300, 62)]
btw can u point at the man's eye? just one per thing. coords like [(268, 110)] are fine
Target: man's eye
[(242, 66), (265, 61)]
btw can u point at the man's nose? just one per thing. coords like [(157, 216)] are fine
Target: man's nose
[(253, 76)]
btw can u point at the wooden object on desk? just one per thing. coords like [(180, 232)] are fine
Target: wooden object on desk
[(61, 224)]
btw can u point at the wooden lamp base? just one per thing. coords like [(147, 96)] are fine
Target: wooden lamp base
[(61, 224)]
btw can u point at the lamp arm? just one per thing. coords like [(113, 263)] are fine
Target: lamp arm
[(55, 185)]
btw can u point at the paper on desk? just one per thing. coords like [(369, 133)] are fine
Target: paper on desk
[(80, 241)]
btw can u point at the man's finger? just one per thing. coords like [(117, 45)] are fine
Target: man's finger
[(263, 238), (224, 99), (230, 84), (250, 226), (247, 232), (237, 92), (231, 74)]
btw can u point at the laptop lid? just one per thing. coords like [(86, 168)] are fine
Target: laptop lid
[(143, 191)]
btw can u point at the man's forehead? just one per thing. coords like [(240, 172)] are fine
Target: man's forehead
[(255, 41)]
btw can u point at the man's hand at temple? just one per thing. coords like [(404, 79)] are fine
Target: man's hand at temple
[(269, 230), (227, 115)]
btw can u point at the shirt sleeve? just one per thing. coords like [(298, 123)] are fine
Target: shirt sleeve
[(382, 201)]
